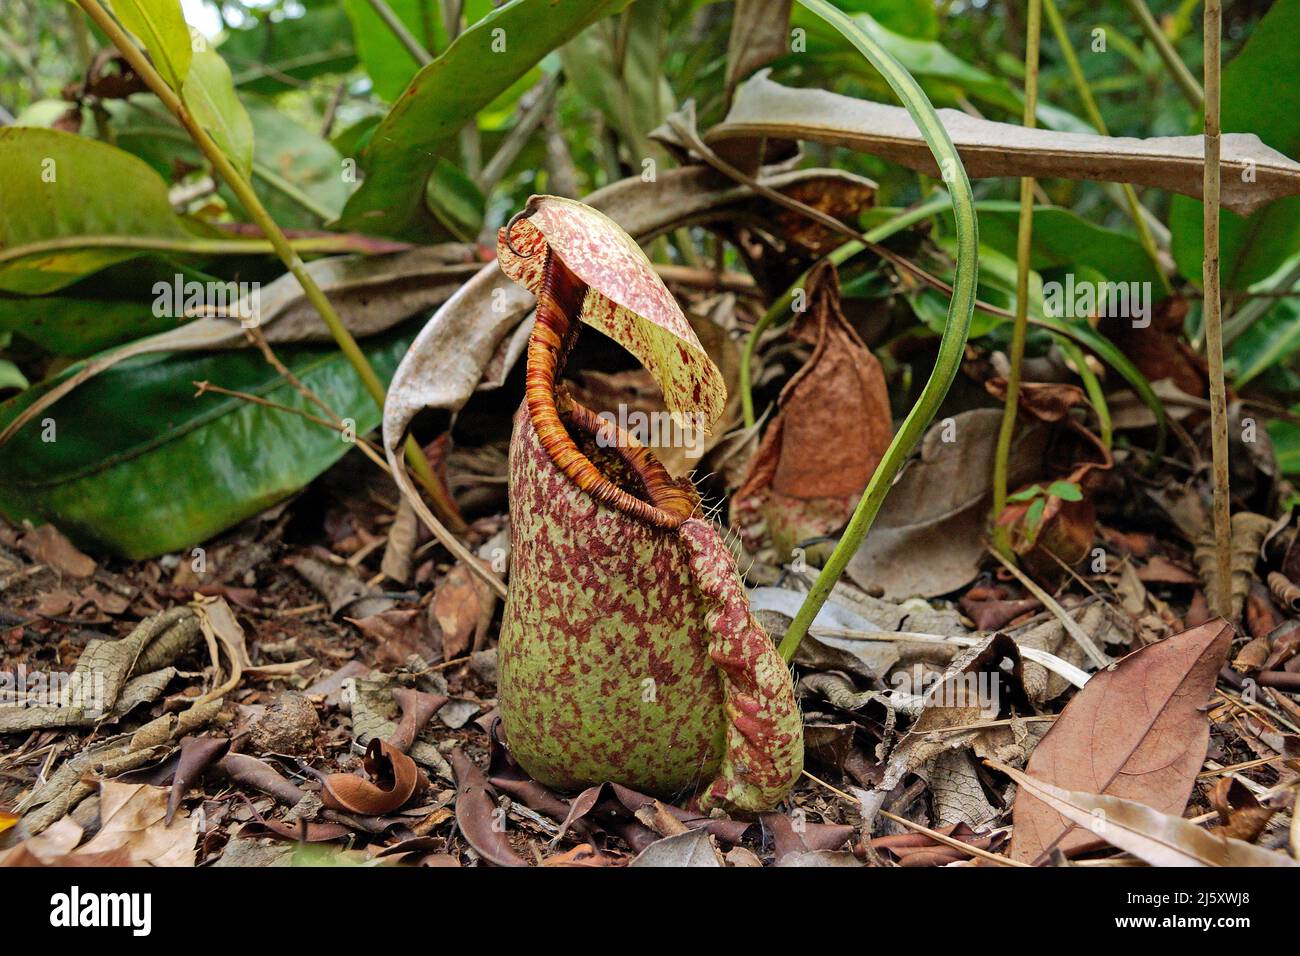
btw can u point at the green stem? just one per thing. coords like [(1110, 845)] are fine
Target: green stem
[(1091, 385), (1094, 116), (1019, 331), (284, 249), (838, 256), (211, 247), (956, 330), (1222, 597), (1177, 68)]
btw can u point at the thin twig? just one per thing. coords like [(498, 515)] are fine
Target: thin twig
[(1020, 328), (1221, 599), (920, 828)]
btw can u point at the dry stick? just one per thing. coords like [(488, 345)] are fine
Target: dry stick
[(1222, 597), (1094, 116), (1183, 76), (249, 200), (403, 35), (920, 828), (1072, 627), (1024, 237)]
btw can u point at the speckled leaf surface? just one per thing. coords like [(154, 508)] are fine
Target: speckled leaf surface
[(628, 652), (626, 300)]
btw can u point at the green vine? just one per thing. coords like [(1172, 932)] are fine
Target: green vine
[(960, 309)]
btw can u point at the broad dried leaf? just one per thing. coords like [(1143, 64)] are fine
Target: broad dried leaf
[(132, 818), (1137, 730), (48, 545), (463, 609), (477, 815), (1253, 174), (929, 537), (810, 469), (1161, 839), (626, 299), (693, 849)]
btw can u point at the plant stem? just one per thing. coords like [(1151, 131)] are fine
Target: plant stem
[(1222, 597), (1024, 239), (409, 43), (1177, 68), (283, 248), (1094, 116), (951, 346)]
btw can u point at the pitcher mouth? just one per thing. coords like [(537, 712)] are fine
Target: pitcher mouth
[(667, 502)]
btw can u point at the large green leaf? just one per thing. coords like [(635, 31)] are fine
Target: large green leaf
[(1062, 238), (386, 60), (54, 185), (139, 466), (1270, 340), (209, 95), (485, 60), (300, 48), (1260, 96), (103, 310), (160, 26)]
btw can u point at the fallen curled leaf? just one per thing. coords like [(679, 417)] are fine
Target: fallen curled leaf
[(394, 779), (810, 469), (584, 854), (1137, 730), (477, 815), (132, 819), (1248, 531), (922, 850), (1161, 839), (301, 831)]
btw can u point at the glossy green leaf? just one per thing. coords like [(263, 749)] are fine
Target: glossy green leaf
[(160, 26), (209, 95), (1260, 96), (456, 200), (103, 310), (55, 185), (139, 466), (485, 60), (1063, 238), (1065, 490), (1270, 340)]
